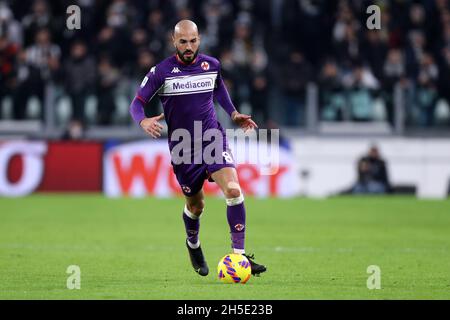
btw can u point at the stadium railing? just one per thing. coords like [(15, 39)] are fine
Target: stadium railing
[(320, 116)]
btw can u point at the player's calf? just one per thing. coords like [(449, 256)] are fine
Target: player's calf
[(236, 218), (192, 224)]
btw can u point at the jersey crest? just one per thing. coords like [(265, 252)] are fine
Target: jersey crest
[(205, 66)]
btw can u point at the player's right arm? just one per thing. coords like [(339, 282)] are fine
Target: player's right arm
[(149, 87)]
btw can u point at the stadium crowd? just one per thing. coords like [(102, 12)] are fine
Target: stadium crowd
[(270, 51)]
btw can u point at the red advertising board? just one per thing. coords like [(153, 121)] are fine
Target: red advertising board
[(73, 166), (143, 168), (30, 166)]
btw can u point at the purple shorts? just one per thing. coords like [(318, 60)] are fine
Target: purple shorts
[(192, 176)]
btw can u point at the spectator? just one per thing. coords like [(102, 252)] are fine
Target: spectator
[(345, 18), (375, 51), (8, 55), (348, 48), (444, 60), (294, 76), (229, 73), (394, 71), (107, 78), (217, 24), (156, 32), (412, 43), (10, 28), (39, 18), (74, 131), (139, 41), (145, 61), (414, 51), (241, 46), (372, 174), (332, 100), (427, 94), (114, 42), (242, 51), (417, 18), (79, 77), (38, 66), (19, 85), (444, 75), (361, 85), (259, 95)]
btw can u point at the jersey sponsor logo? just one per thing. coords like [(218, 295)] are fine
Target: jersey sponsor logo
[(175, 70), (205, 65), (193, 85), (181, 85)]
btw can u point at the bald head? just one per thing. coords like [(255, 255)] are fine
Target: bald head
[(185, 26), (186, 40)]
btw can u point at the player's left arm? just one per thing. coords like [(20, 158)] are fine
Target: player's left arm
[(223, 97)]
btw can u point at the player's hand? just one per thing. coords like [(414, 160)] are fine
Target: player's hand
[(152, 126), (244, 121)]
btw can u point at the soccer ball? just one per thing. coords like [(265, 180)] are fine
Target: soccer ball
[(234, 268)]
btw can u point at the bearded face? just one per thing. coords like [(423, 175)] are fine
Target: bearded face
[(186, 41)]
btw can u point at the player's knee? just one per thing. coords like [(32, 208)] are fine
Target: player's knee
[(231, 193), (234, 196), (197, 207), (233, 190)]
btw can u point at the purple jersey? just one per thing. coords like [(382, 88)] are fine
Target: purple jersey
[(187, 93)]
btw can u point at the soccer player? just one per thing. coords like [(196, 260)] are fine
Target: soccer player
[(187, 84)]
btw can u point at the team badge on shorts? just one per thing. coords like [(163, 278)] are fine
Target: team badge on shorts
[(205, 65), (239, 227), (186, 189)]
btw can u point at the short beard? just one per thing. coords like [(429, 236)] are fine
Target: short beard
[(187, 61)]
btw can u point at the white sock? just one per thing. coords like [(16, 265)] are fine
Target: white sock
[(190, 214), (193, 245), (239, 251)]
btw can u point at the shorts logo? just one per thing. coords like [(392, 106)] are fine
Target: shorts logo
[(239, 227), (186, 189), (205, 65)]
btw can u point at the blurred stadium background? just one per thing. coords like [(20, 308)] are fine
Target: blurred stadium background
[(359, 111), (311, 68)]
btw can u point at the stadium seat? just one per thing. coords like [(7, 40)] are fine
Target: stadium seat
[(442, 112), (6, 108), (34, 108), (379, 110)]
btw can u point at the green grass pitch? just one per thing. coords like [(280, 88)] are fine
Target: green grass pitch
[(313, 249)]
